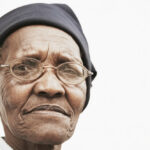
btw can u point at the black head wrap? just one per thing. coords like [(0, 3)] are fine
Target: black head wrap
[(57, 15)]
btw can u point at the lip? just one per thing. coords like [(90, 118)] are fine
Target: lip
[(46, 107)]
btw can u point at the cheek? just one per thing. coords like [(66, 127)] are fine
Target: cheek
[(14, 95), (12, 98), (76, 96)]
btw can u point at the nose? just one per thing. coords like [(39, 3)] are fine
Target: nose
[(49, 86)]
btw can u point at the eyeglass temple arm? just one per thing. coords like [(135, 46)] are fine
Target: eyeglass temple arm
[(89, 73), (2, 65)]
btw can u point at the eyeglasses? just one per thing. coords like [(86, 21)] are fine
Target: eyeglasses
[(30, 69)]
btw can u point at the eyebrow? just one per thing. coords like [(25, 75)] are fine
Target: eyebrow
[(62, 57)]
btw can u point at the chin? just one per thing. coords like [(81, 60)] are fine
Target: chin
[(47, 132), (50, 135)]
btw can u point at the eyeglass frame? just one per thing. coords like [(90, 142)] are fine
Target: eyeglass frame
[(44, 69)]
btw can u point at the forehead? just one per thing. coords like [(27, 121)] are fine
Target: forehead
[(41, 41)]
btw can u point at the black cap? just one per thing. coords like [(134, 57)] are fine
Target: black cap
[(57, 15)]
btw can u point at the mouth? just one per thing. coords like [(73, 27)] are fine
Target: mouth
[(54, 108)]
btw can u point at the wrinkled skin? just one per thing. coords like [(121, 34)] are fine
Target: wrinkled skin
[(39, 130)]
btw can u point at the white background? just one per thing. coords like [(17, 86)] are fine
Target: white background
[(118, 32)]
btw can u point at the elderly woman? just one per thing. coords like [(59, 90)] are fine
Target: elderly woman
[(45, 76)]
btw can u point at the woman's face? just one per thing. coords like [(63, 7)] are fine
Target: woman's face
[(52, 47)]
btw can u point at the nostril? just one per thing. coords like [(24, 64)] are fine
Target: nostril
[(58, 95), (43, 94), (48, 95)]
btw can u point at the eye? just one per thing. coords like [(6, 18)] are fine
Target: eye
[(20, 69), (71, 70), (25, 67)]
